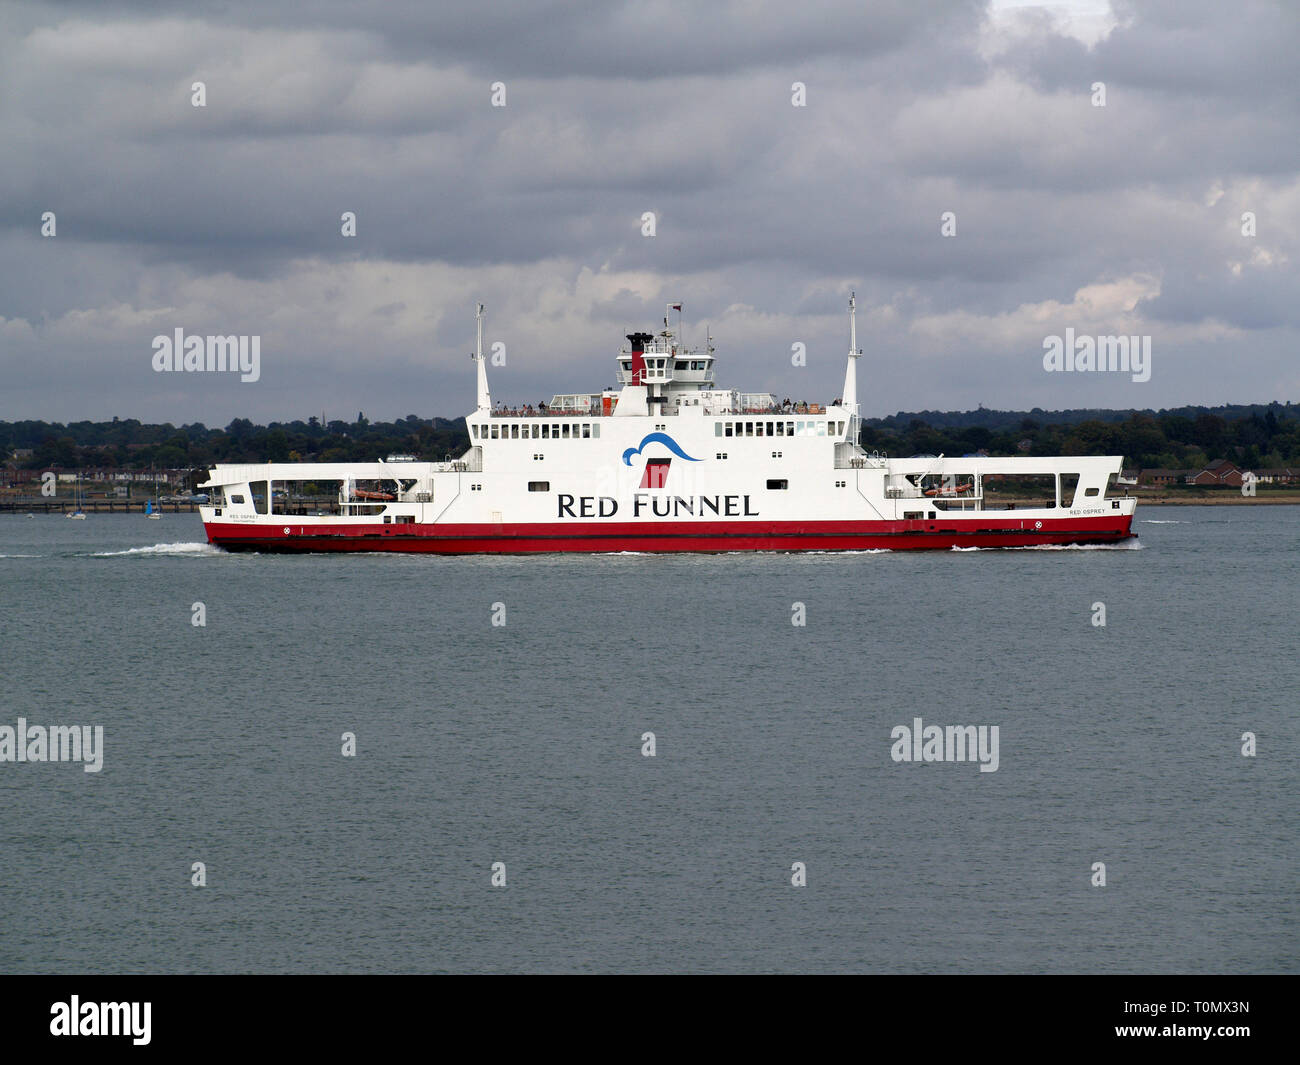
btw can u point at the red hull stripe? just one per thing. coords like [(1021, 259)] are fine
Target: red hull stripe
[(665, 536)]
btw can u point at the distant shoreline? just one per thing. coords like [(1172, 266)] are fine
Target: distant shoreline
[(1233, 499), (1226, 501)]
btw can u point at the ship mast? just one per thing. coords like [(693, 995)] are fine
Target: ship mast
[(484, 396), (850, 399), (670, 307)]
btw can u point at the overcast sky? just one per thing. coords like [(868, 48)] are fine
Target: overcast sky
[(225, 219)]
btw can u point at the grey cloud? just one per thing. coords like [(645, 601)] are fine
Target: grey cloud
[(230, 215)]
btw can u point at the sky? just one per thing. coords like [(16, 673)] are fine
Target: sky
[(949, 161)]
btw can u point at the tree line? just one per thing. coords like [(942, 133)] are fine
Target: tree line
[(126, 443), (1258, 436), (1254, 437)]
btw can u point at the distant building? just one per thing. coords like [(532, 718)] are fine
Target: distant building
[(1279, 475), (124, 477), (1155, 477), (1219, 473)]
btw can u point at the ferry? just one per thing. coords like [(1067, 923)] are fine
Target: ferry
[(667, 461)]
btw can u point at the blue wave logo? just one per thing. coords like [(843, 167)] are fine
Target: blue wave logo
[(656, 438)]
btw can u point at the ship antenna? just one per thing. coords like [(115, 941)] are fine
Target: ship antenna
[(668, 309), (484, 396), (850, 400)]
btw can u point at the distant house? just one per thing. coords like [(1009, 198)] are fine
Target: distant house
[(1219, 473), (125, 477), (1278, 475), (1153, 477)]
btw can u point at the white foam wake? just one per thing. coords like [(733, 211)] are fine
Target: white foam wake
[(164, 549), (1127, 545)]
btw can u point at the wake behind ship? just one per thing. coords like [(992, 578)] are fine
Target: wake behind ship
[(667, 462)]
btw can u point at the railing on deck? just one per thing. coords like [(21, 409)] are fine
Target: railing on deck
[(846, 459)]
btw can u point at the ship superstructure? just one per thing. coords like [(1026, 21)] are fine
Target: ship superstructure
[(668, 461)]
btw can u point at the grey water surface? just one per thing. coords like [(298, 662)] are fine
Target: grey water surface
[(522, 744)]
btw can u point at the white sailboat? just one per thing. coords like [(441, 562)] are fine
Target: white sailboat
[(78, 514), (151, 510)]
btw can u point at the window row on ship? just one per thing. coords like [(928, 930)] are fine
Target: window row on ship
[(533, 430), (537, 431), (779, 427)]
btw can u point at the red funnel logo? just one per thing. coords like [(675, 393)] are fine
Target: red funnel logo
[(656, 473)]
